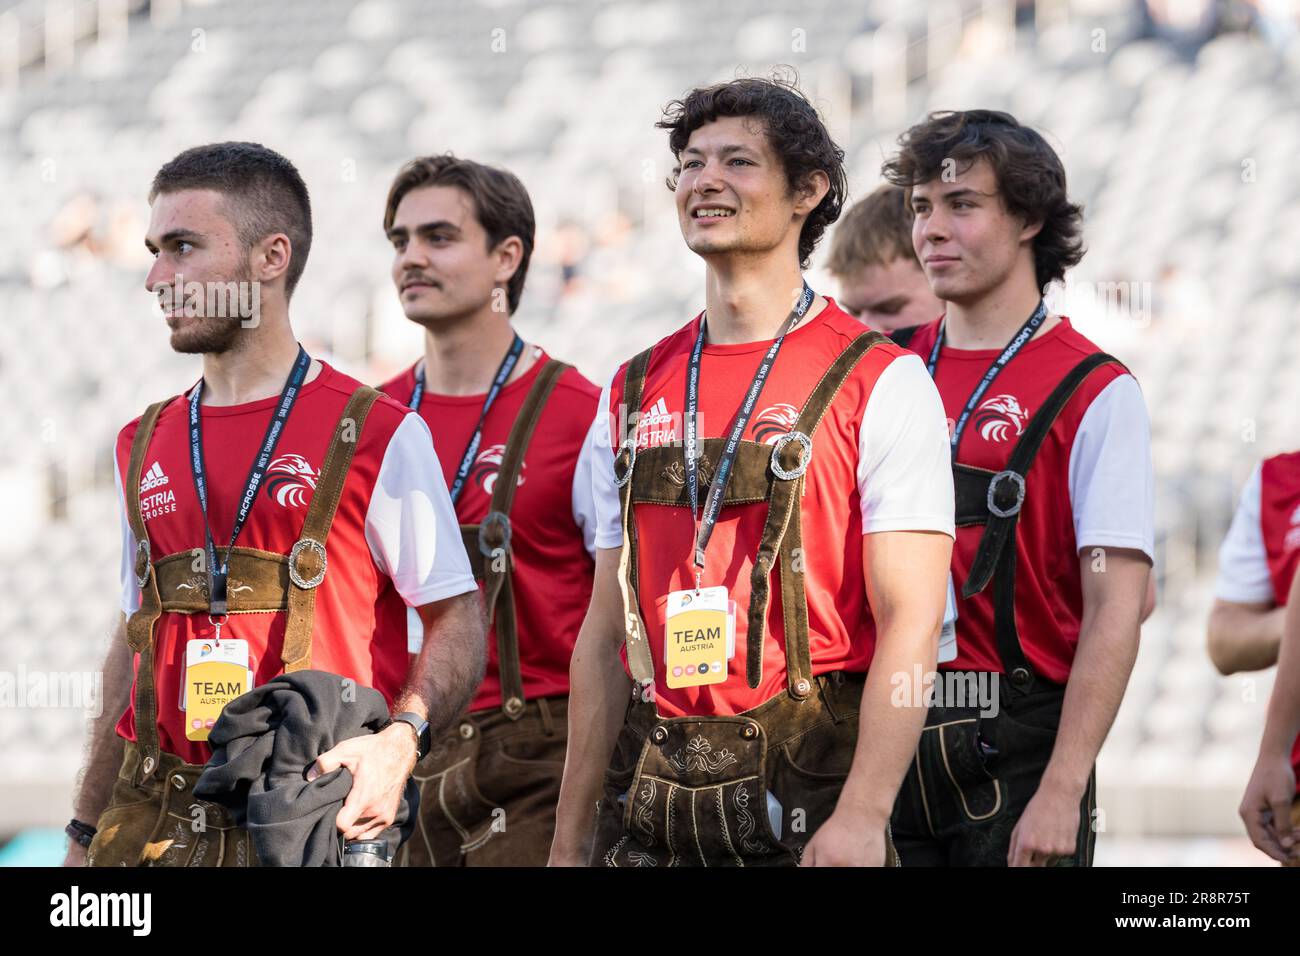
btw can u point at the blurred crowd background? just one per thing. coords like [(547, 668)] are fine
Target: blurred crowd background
[(1176, 120)]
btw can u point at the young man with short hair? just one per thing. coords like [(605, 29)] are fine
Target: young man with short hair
[(775, 517), (279, 516), (510, 422), (1258, 566), (1052, 470), (882, 284)]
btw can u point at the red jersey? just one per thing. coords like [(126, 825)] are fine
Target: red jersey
[(1279, 520), (393, 541), (1090, 485), (880, 463), (552, 517)]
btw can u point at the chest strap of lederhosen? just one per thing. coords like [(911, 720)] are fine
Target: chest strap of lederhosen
[(772, 473), (995, 500), (261, 581), (488, 544)]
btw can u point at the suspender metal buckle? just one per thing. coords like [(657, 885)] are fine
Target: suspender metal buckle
[(1018, 481), (493, 518), (629, 444), (804, 458), (316, 548), (142, 563)]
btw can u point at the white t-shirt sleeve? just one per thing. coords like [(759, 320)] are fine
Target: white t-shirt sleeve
[(904, 459), (411, 526), (130, 591), (604, 492), (583, 495), (1243, 560), (1112, 486)]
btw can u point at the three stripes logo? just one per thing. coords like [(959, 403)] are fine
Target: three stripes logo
[(153, 478), (657, 426)]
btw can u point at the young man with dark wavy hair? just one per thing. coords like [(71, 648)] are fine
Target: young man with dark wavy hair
[(1052, 471), (775, 515)]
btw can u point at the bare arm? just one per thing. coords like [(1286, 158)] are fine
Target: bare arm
[(103, 758), (452, 662), (1244, 637), (599, 692), (442, 680), (906, 579), (1266, 806), (1114, 590)]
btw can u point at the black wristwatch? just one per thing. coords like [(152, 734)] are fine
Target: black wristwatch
[(80, 833), (421, 727)]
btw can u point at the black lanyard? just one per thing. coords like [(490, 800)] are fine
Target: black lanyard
[(713, 504), (1002, 361), (466, 460), (218, 572)]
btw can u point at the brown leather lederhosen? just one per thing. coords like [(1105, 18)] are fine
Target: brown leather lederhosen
[(965, 813), (693, 790), (139, 825), (457, 821)]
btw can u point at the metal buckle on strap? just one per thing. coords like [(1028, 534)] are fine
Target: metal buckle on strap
[(1019, 482), (142, 556), (804, 459), (314, 546), (630, 445), (493, 518)]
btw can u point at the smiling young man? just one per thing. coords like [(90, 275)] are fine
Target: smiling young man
[(778, 515), (882, 284), (1052, 470), (278, 516), (511, 423)]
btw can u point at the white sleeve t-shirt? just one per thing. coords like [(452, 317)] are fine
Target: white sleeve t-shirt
[(411, 527), (1243, 560), (1112, 484), (904, 466)]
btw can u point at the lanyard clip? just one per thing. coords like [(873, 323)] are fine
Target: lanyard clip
[(217, 620)]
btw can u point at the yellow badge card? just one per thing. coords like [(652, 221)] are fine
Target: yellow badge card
[(699, 627), (215, 674)]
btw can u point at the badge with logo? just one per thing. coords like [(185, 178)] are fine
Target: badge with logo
[(699, 636), (216, 672)]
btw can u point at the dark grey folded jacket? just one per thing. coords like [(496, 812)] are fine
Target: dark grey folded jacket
[(262, 746)]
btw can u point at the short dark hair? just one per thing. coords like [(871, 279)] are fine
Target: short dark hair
[(264, 194), (874, 232), (794, 130), (1030, 176), (501, 204)]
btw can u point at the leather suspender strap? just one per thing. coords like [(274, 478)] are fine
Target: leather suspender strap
[(307, 559), (139, 626), (1007, 488), (639, 661), (779, 542), (995, 558), (494, 539)]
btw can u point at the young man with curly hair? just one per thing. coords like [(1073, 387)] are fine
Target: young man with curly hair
[(1052, 472), (774, 513)]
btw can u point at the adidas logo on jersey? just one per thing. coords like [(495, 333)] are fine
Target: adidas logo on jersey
[(657, 426), (153, 478)]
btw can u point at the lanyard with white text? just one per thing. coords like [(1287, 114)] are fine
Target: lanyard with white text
[(721, 475), (503, 373), (1017, 342), (219, 572)]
